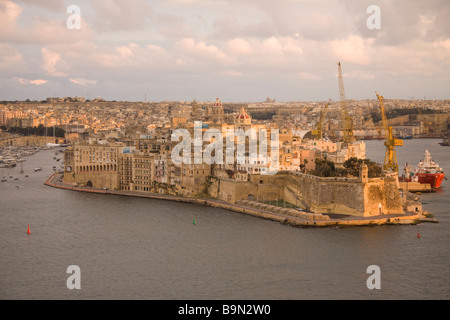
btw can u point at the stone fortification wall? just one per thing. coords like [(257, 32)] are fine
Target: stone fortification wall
[(348, 196), (98, 180), (381, 196), (326, 195), (31, 141)]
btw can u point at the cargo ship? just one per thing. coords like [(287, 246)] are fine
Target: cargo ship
[(426, 172)]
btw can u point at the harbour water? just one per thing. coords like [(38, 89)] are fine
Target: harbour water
[(135, 248)]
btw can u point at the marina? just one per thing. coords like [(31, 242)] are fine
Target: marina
[(11, 156)]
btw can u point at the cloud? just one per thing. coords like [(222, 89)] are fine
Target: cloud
[(233, 73), (173, 26), (49, 62), (53, 5), (239, 46), (26, 26), (9, 13), (36, 82), (82, 82), (354, 49), (131, 58), (11, 60), (309, 76), (402, 21), (119, 15), (199, 53), (180, 47)]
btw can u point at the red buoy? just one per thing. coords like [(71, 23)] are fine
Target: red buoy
[(28, 229), (418, 235)]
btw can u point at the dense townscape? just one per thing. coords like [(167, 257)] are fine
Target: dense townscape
[(130, 146)]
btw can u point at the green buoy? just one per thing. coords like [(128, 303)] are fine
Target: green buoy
[(193, 222)]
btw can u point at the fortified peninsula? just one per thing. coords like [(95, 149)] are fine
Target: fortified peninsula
[(295, 194)]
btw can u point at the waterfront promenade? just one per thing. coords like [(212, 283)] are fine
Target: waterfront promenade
[(281, 215)]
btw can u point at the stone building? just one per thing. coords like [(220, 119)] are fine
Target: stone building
[(215, 112), (5, 115), (126, 171), (143, 172), (97, 164)]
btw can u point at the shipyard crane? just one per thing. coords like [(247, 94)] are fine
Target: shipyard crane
[(347, 123), (390, 158), (320, 125)]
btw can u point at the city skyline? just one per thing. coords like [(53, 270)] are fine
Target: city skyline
[(237, 50)]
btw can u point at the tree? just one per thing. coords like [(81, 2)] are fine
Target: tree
[(353, 164), (303, 165), (324, 168)]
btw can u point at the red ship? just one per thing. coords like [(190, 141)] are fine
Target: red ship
[(427, 172)]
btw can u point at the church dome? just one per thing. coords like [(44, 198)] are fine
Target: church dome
[(243, 118), (243, 115), (218, 103)]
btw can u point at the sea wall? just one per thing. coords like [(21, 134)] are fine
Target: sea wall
[(347, 196), (381, 196), (98, 180), (245, 207), (326, 195)]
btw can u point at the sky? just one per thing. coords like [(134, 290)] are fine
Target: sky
[(237, 50)]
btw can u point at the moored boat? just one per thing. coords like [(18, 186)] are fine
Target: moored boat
[(445, 142), (426, 172)]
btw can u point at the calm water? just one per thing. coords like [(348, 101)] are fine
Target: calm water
[(131, 248)]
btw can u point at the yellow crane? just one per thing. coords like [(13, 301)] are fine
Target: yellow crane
[(390, 159), (347, 122), (319, 131)]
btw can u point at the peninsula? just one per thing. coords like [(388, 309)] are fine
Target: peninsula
[(280, 177)]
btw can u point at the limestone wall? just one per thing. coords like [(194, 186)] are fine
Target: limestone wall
[(326, 195), (31, 141), (382, 197), (320, 195), (98, 180)]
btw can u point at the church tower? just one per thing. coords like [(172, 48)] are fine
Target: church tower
[(243, 120), (194, 110), (215, 112)]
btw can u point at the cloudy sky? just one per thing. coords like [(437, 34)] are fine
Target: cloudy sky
[(238, 50)]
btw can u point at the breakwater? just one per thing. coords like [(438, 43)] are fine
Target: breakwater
[(281, 215)]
